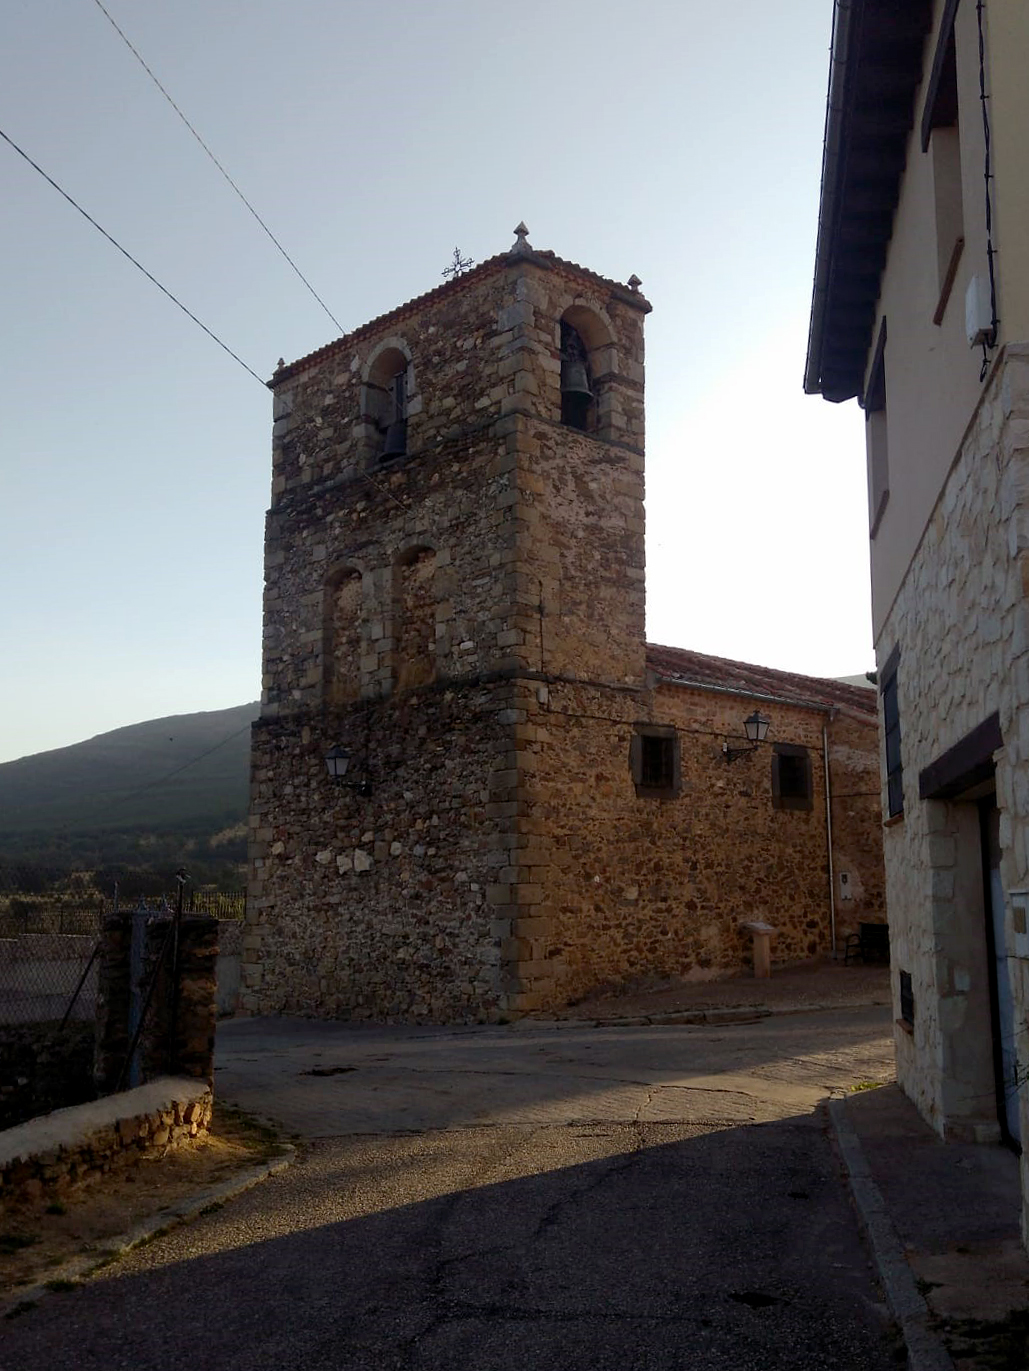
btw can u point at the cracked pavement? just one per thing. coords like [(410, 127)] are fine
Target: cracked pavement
[(517, 1197)]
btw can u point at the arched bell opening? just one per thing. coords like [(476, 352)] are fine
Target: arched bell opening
[(577, 400), (386, 396), (588, 366)]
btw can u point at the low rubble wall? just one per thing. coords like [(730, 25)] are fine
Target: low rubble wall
[(77, 1146)]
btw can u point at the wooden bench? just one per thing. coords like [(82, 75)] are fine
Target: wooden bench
[(762, 935)]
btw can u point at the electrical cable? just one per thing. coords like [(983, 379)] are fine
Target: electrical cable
[(991, 340), (139, 58), (160, 780), (125, 253)]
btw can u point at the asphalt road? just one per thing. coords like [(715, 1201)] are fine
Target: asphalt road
[(512, 1198)]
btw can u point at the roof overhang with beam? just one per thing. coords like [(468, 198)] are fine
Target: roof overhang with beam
[(875, 71)]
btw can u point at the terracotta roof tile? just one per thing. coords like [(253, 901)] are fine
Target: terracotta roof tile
[(681, 666)]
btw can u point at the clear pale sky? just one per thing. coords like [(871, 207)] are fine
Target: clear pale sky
[(680, 141)]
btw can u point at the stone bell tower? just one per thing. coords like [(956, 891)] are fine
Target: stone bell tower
[(455, 540)]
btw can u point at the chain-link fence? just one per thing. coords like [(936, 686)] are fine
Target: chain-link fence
[(49, 925)]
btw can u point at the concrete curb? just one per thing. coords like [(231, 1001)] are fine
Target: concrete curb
[(80, 1268), (925, 1350)]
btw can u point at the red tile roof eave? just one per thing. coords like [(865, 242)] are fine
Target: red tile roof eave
[(697, 671), (483, 269)]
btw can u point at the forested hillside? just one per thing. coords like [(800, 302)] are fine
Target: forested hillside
[(158, 794)]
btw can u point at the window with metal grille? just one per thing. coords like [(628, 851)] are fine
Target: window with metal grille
[(656, 766), (891, 731), (654, 760), (791, 777)]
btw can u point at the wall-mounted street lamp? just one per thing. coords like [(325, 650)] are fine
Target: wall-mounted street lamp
[(756, 726), (337, 759)]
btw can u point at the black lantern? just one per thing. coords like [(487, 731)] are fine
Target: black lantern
[(756, 728), (337, 762)]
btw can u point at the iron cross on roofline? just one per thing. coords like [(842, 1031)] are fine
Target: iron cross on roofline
[(458, 265)]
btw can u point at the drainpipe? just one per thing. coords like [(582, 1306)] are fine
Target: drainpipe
[(828, 832)]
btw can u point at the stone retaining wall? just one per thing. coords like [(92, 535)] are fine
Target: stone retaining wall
[(77, 1146)]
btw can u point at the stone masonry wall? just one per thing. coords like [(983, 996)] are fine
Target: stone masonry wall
[(376, 906), (961, 619), (177, 987), (615, 889), (582, 559), (476, 486), (519, 543), (467, 622), (77, 1147), (856, 823)]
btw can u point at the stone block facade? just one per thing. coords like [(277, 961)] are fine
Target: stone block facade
[(455, 595), (629, 887), (961, 624)]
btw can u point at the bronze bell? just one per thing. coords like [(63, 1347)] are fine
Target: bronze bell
[(396, 439), (575, 378)]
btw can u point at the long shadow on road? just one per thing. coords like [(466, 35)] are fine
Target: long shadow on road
[(601, 1246)]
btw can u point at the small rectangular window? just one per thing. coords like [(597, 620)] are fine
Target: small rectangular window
[(791, 777), (654, 761), (656, 769), (907, 1000), (891, 733)]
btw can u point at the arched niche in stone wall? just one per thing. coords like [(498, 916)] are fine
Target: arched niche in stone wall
[(415, 616), (586, 347), (343, 636), (388, 390)]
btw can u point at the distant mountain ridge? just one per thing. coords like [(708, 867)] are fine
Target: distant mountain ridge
[(184, 779)]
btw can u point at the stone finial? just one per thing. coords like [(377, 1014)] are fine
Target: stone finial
[(521, 244), (280, 364), (634, 283)]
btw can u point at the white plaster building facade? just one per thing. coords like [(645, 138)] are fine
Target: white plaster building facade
[(921, 311)]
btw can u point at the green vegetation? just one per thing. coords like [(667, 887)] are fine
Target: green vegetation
[(142, 800)]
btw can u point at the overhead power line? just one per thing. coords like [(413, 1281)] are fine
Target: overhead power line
[(125, 253), (176, 771), (139, 58)]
